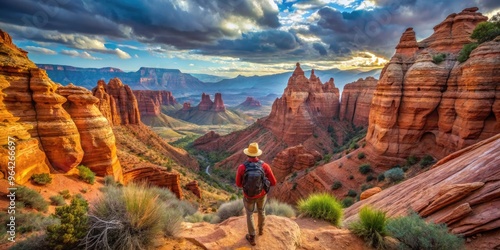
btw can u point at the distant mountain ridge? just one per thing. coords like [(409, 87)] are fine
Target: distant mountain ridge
[(143, 79), (184, 84)]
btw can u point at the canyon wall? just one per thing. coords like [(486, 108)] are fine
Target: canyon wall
[(422, 107), (42, 117), (356, 101), (150, 101)]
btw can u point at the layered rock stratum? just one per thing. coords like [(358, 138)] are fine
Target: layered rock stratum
[(47, 121), (356, 101), (420, 107)]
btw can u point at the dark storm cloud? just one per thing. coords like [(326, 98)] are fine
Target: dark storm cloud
[(379, 30), (319, 47), (185, 24)]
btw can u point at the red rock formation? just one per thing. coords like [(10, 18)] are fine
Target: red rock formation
[(422, 108), (58, 133), (186, 106), (407, 45), (205, 103), (460, 190), (250, 102), (369, 193), (52, 131), (193, 187), (218, 103), (305, 104), (118, 100), (150, 101), (356, 100), (97, 138), (156, 176), (293, 159), (206, 138)]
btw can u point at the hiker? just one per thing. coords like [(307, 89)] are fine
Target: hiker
[(255, 177)]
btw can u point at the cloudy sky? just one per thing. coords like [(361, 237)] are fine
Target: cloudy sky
[(222, 37)]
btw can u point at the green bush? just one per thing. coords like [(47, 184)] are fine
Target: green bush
[(370, 177), (336, 185), (414, 233), (486, 31), (65, 194), (394, 175), (277, 208), (131, 217), (322, 206), (199, 217), (86, 174), (411, 160), (361, 155), (57, 200), (366, 186), (42, 179), (347, 202), (426, 161), (365, 168), (230, 209), (73, 226), (464, 53), (381, 177), (371, 226), (31, 199), (110, 181), (437, 59), (352, 193)]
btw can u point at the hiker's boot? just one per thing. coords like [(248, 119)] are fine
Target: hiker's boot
[(251, 239)]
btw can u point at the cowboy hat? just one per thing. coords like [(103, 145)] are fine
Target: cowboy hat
[(253, 150)]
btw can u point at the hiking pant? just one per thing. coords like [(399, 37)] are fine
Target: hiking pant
[(250, 207)]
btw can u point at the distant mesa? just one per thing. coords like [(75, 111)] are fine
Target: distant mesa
[(249, 103), (208, 112)]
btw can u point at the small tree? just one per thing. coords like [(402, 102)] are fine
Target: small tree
[(365, 168), (336, 185), (42, 179), (486, 31), (73, 225)]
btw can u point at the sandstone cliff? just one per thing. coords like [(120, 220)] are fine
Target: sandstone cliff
[(249, 103), (420, 107), (41, 120), (460, 190), (356, 101), (150, 101)]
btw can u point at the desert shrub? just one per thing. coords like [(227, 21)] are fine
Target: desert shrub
[(351, 177), (370, 177), (336, 185), (31, 199), (366, 186), (199, 217), (437, 59), (185, 207), (65, 194), (414, 233), (25, 223), (361, 155), (86, 174), (365, 168), (381, 177), (486, 31), (42, 179), (230, 209), (347, 202), (34, 242), (110, 181), (352, 193), (394, 175), (426, 161), (277, 208), (371, 226), (130, 218), (411, 160), (348, 156), (57, 200), (322, 206), (464, 53), (73, 226), (353, 145)]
